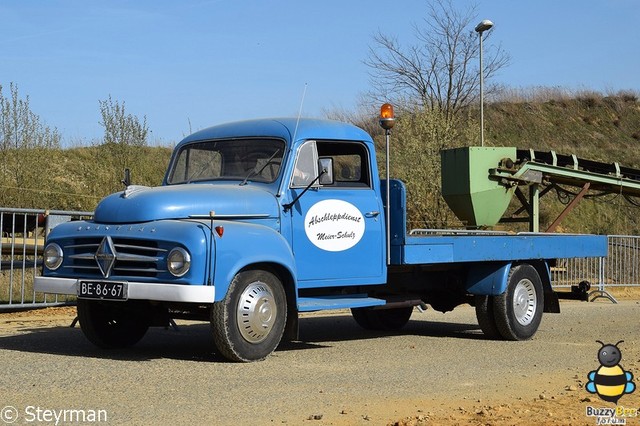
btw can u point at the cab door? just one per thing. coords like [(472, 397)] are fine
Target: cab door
[(337, 228)]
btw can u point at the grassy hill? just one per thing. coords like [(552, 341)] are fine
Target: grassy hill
[(590, 125), (76, 178)]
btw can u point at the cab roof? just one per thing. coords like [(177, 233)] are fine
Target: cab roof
[(283, 128)]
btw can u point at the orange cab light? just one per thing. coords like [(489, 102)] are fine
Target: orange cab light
[(387, 118), (219, 231), (386, 111)]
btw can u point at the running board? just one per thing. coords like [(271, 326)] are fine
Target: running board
[(321, 303)]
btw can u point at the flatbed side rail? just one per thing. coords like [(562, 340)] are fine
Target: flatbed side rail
[(620, 268), (432, 232)]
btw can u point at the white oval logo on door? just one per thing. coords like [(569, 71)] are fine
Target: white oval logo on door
[(334, 225)]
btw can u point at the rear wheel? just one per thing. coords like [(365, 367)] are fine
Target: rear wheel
[(249, 322), (486, 317), (518, 311), (382, 319), (111, 325)]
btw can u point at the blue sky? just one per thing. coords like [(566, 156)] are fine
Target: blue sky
[(187, 65)]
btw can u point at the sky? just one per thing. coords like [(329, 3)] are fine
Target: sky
[(190, 64)]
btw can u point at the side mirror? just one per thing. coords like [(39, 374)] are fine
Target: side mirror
[(126, 181), (325, 168)]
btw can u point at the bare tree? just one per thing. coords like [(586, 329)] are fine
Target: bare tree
[(440, 71), (24, 144), (22, 128), (125, 137), (122, 128)]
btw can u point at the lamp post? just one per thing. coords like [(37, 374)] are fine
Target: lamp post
[(483, 26)]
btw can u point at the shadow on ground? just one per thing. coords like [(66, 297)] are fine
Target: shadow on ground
[(192, 341)]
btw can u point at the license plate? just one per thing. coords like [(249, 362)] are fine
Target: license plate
[(104, 290)]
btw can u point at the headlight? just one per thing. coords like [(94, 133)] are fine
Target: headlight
[(53, 256), (178, 261)]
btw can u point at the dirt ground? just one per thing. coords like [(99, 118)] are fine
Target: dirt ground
[(546, 409), (558, 399)]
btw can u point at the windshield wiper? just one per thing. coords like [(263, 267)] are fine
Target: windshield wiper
[(288, 206), (254, 172)]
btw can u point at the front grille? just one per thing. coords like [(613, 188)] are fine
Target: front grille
[(133, 258)]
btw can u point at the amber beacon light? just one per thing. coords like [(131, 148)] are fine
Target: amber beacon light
[(387, 118)]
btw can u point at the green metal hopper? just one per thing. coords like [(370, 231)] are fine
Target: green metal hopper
[(474, 198)]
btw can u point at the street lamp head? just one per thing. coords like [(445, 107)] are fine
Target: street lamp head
[(484, 26)]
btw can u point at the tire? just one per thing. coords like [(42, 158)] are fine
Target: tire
[(518, 311), (111, 325), (382, 319), (486, 317), (248, 324)]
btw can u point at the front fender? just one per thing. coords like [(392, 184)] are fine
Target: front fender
[(245, 244)]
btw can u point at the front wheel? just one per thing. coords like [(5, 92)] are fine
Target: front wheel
[(248, 323), (518, 311), (111, 325)]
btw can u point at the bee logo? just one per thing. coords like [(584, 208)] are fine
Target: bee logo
[(610, 381)]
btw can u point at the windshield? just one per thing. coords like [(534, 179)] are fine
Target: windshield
[(253, 160)]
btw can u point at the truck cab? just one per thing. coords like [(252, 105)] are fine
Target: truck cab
[(295, 203)]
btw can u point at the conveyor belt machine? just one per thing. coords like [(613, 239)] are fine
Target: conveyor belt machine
[(478, 183)]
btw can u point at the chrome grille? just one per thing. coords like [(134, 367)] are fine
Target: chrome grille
[(136, 258)]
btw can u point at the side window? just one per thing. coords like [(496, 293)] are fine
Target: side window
[(348, 168), (350, 163), (306, 168)]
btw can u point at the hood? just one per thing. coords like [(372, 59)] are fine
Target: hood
[(143, 204)]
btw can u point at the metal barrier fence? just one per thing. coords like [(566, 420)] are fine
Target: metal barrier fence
[(23, 235), (571, 272), (623, 263), (621, 268)]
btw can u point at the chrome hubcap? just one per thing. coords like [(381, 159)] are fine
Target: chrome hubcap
[(524, 302), (257, 312)]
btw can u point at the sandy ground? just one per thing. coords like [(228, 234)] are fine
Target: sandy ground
[(337, 375)]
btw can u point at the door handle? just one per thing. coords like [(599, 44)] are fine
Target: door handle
[(372, 214)]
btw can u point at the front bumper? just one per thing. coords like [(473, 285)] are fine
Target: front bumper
[(161, 292)]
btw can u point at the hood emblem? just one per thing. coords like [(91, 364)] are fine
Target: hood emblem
[(106, 256)]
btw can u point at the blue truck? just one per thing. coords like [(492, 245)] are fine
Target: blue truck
[(257, 221)]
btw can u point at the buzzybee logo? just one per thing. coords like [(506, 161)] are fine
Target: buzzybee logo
[(610, 381)]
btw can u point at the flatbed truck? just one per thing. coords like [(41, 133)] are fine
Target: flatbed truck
[(261, 220)]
